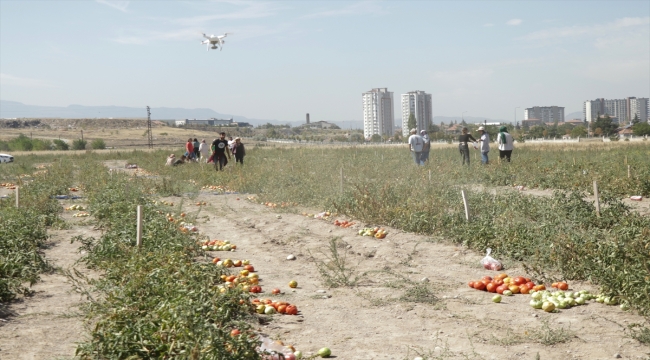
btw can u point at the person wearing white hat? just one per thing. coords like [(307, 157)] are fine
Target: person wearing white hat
[(484, 144)]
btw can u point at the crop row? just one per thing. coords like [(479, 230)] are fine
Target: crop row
[(156, 301), (23, 230)]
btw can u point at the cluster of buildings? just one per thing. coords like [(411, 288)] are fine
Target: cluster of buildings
[(622, 111), (378, 112), (211, 122)]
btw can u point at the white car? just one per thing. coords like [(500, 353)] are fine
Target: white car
[(5, 158)]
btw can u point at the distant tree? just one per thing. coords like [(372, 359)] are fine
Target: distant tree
[(412, 124), (517, 126), (536, 132), (598, 131), (98, 144), (356, 137), (641, 129), (636, 119), (605, 124), (79, 144), (433, 129), (463, 122), (442, 124), (60, 145), (398, 136), (545, 133), (375, 138), (21, 143)]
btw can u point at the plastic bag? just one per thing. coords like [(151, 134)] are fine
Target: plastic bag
[(277, 351), (491, 263)]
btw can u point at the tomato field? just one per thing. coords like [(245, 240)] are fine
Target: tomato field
[(181, 296)]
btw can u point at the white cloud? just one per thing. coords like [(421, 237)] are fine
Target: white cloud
[(514, 22), (593, 30), (6, 79), (250, 10), (488, 25), (363, 7), (119, 5)]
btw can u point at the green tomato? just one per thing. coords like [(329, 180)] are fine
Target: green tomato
[(324, 352), (548, 306), (537, 296), (496, 298), (298, 354), (580, 300), (507, 293)]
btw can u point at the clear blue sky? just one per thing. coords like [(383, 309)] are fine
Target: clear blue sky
[(288, 58)]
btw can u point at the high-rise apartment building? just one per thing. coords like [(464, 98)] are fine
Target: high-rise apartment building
[(639, 108), (547, 114), (623, 110), (419, 104), (378, 113)]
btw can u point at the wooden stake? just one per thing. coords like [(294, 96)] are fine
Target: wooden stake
[(597, 200), (429, 175), (629, 174), (341, 181), (574, 161), (138, 238), (17, 196), (625, 159), (462, 192)]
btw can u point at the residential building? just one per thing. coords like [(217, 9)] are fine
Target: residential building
[(622, 109), (378, 113), (545, 113), (419, 104), (638, 108)]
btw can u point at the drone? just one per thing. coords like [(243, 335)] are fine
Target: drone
[(214, 42)]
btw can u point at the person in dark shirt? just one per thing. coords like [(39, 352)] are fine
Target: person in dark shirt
[(239, 151), (220, 150), (463, 145)]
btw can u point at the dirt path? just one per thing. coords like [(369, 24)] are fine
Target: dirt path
[(49, 324), (375, 321)]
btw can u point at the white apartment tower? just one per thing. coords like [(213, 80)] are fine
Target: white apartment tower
[(623, 110), (639, 108), (547, 114), (419, 104), (378, 113)]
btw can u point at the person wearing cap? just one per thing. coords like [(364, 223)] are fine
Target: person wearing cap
[(463, 145), (416, 144), (204, 150), (506, 143), (427, 146), (484, 144), (239, 151), (220, 150)]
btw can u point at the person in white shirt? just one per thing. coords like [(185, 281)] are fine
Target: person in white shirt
[(204, 149), (416, 144), (506, 143), (484, 144)]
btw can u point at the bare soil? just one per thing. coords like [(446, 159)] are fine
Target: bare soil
[(48, 324)]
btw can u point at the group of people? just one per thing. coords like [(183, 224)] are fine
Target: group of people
[(420, 145), (217, 153)]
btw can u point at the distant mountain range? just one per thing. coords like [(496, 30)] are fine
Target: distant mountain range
[(14, 109)]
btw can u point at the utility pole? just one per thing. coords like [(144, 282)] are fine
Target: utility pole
[(516, 114), (149, 134)]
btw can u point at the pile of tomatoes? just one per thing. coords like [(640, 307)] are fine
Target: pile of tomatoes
[(9, 186), (560, 285), (344, 223), (263, 307), (502, 283)]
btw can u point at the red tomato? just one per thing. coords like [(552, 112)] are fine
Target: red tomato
[(524, 289), (250, 268), (530, 284), (563, 286), (471, 284), (554, 285), (498, 282), (282, 309), (502, 288), (235, 332), (479, 285), (491, 287), (488, 278), (291, 310), (519, 280), (539, 287), (275, 291), (514, 288)]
